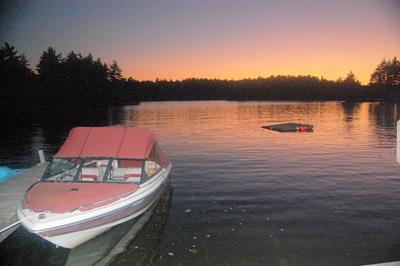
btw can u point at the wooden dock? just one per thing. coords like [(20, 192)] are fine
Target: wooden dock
[(12, 192)]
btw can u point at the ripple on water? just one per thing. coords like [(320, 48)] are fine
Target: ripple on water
[(260, 197)]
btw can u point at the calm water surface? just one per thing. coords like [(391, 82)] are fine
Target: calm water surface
[(243, 195)]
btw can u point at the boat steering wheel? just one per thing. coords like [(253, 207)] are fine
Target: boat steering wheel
[(65, 175)]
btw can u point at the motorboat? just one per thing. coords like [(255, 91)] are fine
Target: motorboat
[(99, 178)]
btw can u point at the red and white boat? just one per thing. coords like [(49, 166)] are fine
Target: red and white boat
[(100, 177)]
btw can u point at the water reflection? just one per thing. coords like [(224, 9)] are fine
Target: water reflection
[(24, 248), (145, 249), (245, 195), (385, 117), (21, 138), (350, 111)]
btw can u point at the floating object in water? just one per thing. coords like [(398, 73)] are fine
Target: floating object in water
[(291, 127), (193, 250), (7, 173)]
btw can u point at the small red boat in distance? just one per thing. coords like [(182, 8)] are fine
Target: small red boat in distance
[(100, 177)]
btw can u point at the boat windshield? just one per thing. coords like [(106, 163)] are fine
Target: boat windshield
[(62, 169), (97, 170)]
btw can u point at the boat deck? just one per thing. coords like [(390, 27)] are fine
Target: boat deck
[(12, 192)]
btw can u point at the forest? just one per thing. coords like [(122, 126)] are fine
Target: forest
[(77, 82)]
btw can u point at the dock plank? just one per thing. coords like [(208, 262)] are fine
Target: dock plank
[(12, 192)]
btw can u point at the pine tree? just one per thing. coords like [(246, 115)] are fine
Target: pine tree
[(115, 72), (387, 74)]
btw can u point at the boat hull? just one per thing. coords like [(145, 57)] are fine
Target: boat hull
[(71, 235), (75, 238)]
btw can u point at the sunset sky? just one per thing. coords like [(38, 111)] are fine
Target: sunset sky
[(212, 39)]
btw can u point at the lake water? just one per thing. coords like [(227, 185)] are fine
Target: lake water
[(243, 195)]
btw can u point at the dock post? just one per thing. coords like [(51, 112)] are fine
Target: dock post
[(398, 142), (41, 157)]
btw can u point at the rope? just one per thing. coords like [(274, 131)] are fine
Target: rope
[(10, 226), (16, 223)]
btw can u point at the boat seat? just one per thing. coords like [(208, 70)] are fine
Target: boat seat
[(130, 174), (132, 177), (102, 163), (89, 174)]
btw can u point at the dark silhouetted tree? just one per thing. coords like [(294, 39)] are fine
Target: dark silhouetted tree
[(15, 75), (49, 64), (379, 75), (50, 70), (115, 72), (75, 80), (351, 79), (385, 80), (387, 74)]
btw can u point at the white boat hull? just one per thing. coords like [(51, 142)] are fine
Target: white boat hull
[(74, 239), (73, 231)]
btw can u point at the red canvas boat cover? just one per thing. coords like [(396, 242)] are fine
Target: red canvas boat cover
[(108, 142)]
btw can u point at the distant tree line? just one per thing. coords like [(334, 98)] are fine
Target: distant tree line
[(271, 88), (76, 82)]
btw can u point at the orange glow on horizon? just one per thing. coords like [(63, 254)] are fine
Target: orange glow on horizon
[(181, 72), (328, 67), (254, 55)]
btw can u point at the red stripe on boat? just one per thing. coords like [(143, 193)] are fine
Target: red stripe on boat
[(66, 197)]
